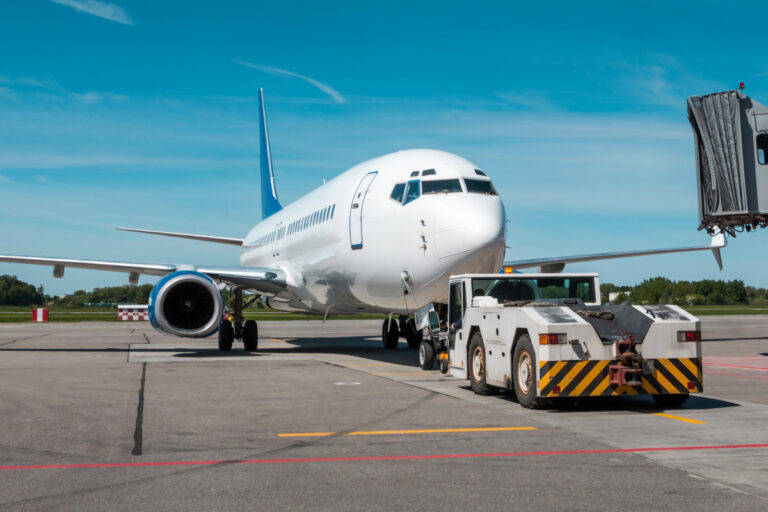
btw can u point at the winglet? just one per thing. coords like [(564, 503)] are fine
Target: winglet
[(718, 242), (269, 202)]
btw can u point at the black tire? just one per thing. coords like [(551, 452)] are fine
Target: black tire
[(444, 366), (426, 355), (476, 366), (226, 336), (413, 335), (525, 375), (250, 336), (670, 401), (390, 334)]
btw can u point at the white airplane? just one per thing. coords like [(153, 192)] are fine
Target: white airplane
[(382, 237)]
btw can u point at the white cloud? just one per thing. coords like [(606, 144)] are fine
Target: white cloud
[(327, 89), (662, 80), (101, 9), (36, 161), (49, 89)]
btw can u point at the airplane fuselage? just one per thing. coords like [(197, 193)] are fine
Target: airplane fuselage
[(383, 236)]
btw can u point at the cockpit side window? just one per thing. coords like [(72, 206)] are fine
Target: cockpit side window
[(440, 186), (480, 187), (413, 192), (397, 192)]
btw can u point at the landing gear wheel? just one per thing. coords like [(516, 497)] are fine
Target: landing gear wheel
[(390, 334), (226, 336), (525, 373), (250, 336), (413, 335), (426, 355), (444, 366), (669, 401), (477, 374)]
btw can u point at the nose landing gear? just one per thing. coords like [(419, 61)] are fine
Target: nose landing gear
[(391, 332)]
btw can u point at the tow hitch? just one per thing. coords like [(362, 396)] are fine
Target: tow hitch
[(628, 369)]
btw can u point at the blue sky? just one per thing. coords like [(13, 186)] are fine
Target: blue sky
[(144, 114)]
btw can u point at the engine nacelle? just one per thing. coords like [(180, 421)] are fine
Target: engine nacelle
[(187, 304)]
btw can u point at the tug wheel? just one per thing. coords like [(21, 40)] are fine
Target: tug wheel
[(525, 373), (477, 368)]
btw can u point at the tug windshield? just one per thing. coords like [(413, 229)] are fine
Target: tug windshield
[(521, 288)]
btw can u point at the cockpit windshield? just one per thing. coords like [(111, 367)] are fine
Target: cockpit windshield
[(440, 186), (413, 192), (397, 192), (480, 186)]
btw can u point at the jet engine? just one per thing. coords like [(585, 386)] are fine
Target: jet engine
[(187, 304)]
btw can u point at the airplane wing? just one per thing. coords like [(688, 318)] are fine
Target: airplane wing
[(202, 238), (558, 263), (268, 281)]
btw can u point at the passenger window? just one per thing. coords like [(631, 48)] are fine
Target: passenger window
[(762, 148), (480, 187), (397, 192), (413, 192), (333, 210), (428, 172), (440, 186)]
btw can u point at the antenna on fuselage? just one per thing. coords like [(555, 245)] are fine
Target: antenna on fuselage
[(269, 203)]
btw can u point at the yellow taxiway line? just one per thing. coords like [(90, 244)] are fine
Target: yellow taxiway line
[(679, 418), (403, 373), (399, 432)]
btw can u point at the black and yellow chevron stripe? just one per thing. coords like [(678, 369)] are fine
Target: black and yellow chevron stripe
[(590, 378)]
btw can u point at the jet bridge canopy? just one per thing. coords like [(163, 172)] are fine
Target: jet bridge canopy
[(730, 132)]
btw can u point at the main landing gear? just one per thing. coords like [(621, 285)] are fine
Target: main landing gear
[(233, 327), (392, 330)]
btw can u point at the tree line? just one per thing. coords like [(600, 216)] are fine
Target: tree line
[(660, 290), (14, 292)]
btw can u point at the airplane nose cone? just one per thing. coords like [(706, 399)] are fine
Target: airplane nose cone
[(469, 237)]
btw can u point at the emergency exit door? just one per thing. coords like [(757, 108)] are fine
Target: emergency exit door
[(356, 211)]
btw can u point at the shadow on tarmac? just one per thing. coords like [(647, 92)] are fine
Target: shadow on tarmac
[(641, 403)]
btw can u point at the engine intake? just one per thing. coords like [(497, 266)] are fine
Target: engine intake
[(187, 304)]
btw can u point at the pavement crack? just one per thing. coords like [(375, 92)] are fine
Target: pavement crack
[(146, 337), (138, 432), (25, 338)]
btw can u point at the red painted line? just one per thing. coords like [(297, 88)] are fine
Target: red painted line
[(381, 457), (740, 376), (737, 366)]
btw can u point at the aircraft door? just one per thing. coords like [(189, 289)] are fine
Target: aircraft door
[(356, 211)]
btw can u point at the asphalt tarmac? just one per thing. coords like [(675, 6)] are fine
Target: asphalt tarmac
[(115, 416)]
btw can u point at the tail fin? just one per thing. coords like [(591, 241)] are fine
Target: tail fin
[(269, 202)]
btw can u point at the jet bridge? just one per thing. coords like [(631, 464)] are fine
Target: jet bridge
[(730, 131)]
